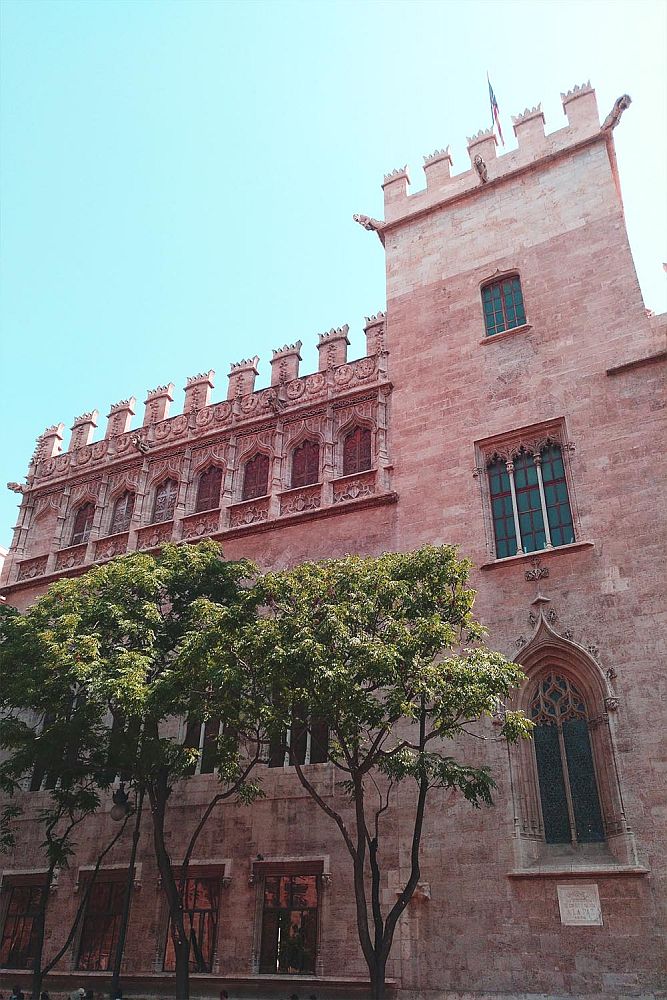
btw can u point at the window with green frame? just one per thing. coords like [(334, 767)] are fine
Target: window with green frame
[(503, 305), (530, 506)]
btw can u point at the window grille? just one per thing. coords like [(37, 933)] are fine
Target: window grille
[(101, 925), (83, 522), (289, 924), (530, 506), (18, 944), (165, 501), (201, 907), (503, 305), (122, 513), (357, 451), (566, 774), (208, 490), (306, 464), (256, 477)]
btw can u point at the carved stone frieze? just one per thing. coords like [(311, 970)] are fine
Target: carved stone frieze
[(30, 568), (611, 704), (115, 545), (354, 487), (202, 457), (154, 535), (71, 557), (128, 479), (299, 500), (89, 490), (165, 466), (47, 504), (249, 512), (538, 572), (200, 525)]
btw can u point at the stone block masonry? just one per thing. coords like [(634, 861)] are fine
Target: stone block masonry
[(515, 339)]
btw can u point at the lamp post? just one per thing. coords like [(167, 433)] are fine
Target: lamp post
[(120, 809)]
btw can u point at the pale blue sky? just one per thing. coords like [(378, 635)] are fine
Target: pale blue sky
[(178, 178)]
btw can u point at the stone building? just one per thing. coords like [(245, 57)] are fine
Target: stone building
[(511, 401)]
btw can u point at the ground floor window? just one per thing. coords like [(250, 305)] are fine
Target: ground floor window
[(101, 925), (289, 924), (201, 906), (19, 933)]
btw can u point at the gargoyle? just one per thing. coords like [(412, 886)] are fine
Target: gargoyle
[(16, 487), (372, 225), (614, 116), (139, 444), (480, 167)]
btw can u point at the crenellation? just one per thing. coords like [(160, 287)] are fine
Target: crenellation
[(83, 429), (395, 187), (529, 128), (119, 417), (198, 391), (438, 168), (157, 404), (332, 347), (242, 375), (49, 444), (482, 144), (581, 107), (375, 334), (285, 363)]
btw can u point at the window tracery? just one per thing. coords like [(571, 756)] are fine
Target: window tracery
[(256, 477), (83, 522), (305, 464), (165, 501), (208, 489), (122, 512), (357, 450)]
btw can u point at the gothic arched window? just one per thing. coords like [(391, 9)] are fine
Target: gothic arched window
[(567, 784), (357, 451), (165, 500), (208, 490), (530, 506), (122, 513), (503, 305), (256, 477), (305, 464), (83, 522)]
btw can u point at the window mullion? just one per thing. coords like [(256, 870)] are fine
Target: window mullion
[(288, 743), (515, 510), (568, 790), (543, 503), (306, 758)]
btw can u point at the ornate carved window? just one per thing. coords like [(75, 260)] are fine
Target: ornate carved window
[(18, 943), (503, 305), (290, 905), (165, 501), (566, 774), (357, 451), (203, 736), (306, 464), (529, 501), (201, 907), (83, 522), (208, 490), (256, 477), (101, 924), (306, 741), (122, 513)]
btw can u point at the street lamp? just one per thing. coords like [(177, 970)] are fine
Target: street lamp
[(119, 811)]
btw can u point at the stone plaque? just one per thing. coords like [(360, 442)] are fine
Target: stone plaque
[(580, 905)]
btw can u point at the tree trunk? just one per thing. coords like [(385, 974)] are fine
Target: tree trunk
[(158, 795), (378, 975), (37, 973)]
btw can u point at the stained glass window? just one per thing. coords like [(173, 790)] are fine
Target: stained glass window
[(256, 477), (101, 924), (165, 501), (122, 513), (18, 942), (503, 305), (83, 522), (208, 490), (566, 773), (520, 493), (289, 924), (305, 464), (201, 905), (357, 451)]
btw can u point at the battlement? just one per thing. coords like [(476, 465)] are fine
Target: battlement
[(199, 416), (486, 163)]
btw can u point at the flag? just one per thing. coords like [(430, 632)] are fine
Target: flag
[(495, 111)]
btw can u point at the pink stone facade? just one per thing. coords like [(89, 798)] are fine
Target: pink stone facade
[(586, 370)]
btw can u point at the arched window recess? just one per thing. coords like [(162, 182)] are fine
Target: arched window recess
[(568, 802)]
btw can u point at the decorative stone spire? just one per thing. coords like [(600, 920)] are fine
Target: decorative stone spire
[(242, 378), (157, 404), (333, 347), (198, 391), (285, 363), (83, 429), (120, 416)]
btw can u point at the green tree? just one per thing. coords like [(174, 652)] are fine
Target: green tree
[(131, 634), (388, 651)]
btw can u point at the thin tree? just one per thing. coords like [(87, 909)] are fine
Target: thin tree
[(387, 651)]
